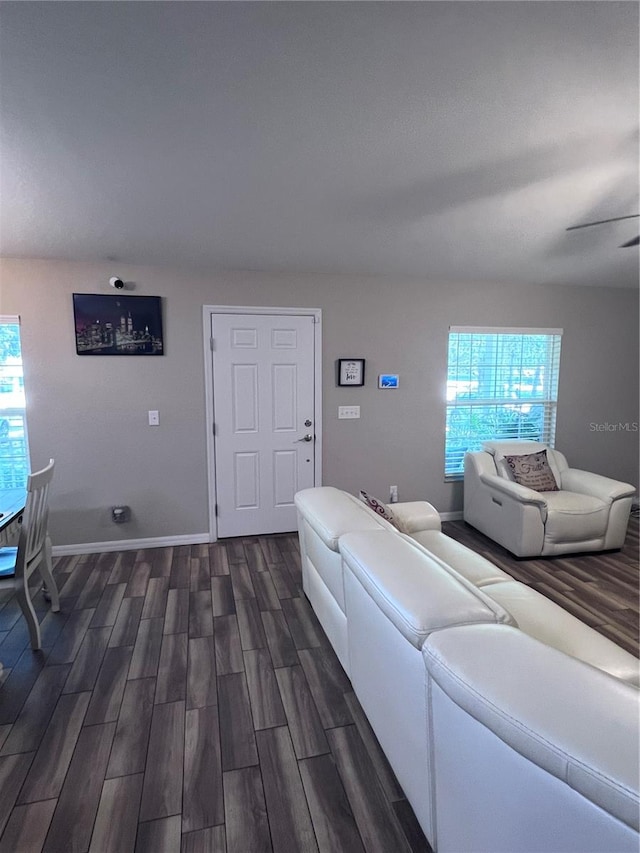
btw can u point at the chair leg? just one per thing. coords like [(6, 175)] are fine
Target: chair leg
[(24, 600), (46, 573)]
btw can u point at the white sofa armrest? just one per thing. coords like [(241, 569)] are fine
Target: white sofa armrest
[(415, 516), (519, 493), (587, 483)]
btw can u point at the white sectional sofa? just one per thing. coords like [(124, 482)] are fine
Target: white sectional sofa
[(511, 725)]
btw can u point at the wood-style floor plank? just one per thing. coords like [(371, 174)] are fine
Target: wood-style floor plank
[(176, 620), (186, 700), (36, 712), (289, 818), (49, 768), (155, 600), (266, 704), (210, 840), (328, 684), (13, 771), (171, 684), (202, 802), (222, 593), (146, 652), (252, 634), (236, 723), (19, 684), (374, 815), (71, 637), (86, 665), (245, 812), (162, 789), (201, 673), (108, 607), (77, 805), (333, 820), (200, 613), (278, 638), (227, 645), (107, 694), (305, 724), (129, 751), (27, 827), (117, 819), (125, 630), (159, 835)]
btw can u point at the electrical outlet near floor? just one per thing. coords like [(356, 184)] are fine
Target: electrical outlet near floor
[(393, 494)]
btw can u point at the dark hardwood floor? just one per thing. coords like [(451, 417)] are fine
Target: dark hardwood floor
[(186, 699)]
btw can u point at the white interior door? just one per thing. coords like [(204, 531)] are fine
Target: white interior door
[(264, 411)]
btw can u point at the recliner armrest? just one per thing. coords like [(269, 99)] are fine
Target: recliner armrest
[(595, 485), (415, 516), (513, 490)]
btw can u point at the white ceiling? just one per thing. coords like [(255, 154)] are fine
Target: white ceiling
[(454, 141)]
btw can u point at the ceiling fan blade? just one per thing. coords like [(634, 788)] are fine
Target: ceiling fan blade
[(603, 221), (635, 241)]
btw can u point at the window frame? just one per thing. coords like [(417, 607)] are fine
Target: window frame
[(14, 442), (513, 414)]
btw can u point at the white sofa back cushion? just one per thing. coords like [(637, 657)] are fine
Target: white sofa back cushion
[(332, 513), (545, 620), (574, 721), (415, 592)]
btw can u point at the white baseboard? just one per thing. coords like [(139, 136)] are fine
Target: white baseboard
[(130, 544), (451, 516), (161, 541)]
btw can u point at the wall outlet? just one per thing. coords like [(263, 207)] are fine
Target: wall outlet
[(348, 412), (154, 418), (120, 514), (393, 494)]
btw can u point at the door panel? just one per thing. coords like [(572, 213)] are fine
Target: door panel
[(263, 395), (244, 398), (246, 481), (285, 479)]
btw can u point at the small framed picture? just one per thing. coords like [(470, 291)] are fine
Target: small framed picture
[(351, 371)]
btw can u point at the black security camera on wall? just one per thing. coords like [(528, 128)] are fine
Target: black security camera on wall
[(116, 282)]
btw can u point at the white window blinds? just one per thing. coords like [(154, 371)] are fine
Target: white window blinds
[(501, 383)]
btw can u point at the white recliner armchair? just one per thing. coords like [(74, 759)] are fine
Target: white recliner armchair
[(559, 510)]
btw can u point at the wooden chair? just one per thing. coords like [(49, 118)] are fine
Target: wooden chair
[(33, 552)]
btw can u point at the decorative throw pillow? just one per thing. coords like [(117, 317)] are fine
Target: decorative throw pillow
[(380, 509), (533, 471)]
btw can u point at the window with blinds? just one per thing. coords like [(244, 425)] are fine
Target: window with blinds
[(14, 448), (501, 383)]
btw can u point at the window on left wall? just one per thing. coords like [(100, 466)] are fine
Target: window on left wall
[(14, 447)]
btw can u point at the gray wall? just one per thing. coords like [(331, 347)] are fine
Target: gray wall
[(90, 414)]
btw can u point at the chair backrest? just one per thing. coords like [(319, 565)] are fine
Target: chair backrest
[(33, 531)]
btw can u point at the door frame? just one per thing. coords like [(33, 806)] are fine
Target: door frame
[(209, 355)]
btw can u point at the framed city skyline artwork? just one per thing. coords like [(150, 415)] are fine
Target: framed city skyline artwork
[(117, 325)]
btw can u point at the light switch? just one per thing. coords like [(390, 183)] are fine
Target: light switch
[(348, 412), (154, 418)]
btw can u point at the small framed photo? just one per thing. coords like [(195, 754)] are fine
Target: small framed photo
[(351, 371)]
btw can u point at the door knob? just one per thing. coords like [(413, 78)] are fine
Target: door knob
[(307, 437)]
